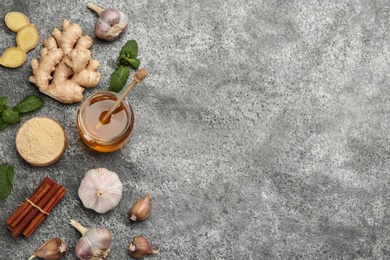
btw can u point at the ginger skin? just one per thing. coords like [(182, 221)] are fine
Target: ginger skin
[(67, 57), (66, 39)]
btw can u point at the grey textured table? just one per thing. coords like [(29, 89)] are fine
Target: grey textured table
[(262, 130)]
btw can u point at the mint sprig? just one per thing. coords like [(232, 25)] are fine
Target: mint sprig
[(6, 180), (127, 59), (11, 116)]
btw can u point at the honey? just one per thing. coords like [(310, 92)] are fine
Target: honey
[(109, 135)]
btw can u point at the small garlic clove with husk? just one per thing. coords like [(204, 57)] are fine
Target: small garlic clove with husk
[(53, 249), (141, 208), (94, 244), (100, 190), (140, 247)]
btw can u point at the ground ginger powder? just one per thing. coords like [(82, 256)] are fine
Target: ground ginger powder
[(41, 141)]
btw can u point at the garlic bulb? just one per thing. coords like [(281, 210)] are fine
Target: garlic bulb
[(100, 190), (95, 244), (110, 24), (53, 249)]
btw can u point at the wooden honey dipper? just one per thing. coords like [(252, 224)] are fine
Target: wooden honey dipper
[(137, 78)]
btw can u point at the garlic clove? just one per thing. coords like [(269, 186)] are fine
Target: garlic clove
[(53, 249), (100, 190), (140, 247), (141, 208)]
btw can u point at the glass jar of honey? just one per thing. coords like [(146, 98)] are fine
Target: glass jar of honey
[(104, 136)]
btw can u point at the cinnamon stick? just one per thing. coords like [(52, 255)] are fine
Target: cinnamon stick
[(41, 216), (26, 206), (34, 211)]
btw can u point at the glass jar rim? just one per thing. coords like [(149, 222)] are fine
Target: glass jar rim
[(105, 141)]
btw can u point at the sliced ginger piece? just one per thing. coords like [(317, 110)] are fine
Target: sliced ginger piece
[(27, 37), (13, 57), (16, 21)]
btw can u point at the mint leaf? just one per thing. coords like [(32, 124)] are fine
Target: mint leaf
[(122, 60), (119, 78), (6, 180), (130, 49), (134, 63), (3, 103), (29, 103), (3, 124), (127, 58), (11, 117), (127, 61)]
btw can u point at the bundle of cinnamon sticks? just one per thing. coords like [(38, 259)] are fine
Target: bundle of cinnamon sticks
[(26, 219)]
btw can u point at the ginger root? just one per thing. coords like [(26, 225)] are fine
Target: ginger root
[(66, 66), (13, 57), (27, 38)]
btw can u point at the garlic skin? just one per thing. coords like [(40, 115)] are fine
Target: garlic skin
[(100, 190), (95, 244), (52, 249), (141, 208), (140, 247), (111, 22)]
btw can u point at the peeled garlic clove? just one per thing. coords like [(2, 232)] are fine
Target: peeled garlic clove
[(94, 244), (140, 247), (53, 249), (100, 190), (141, 208)]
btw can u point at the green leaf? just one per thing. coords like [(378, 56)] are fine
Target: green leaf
[(3, 124), (134, 63), (29, 103), (3, 103), (11, 117), (119, 78), (130, 49), (6, 180), (122, 60)]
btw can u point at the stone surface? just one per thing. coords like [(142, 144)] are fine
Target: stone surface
[(262, 130)]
